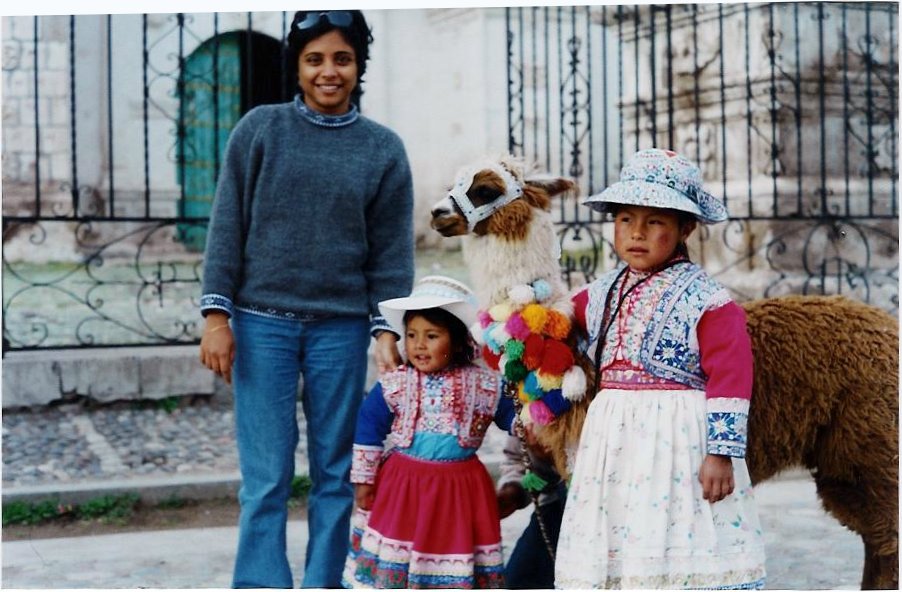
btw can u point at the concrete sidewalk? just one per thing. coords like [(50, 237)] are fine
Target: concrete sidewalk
[(806, 550)]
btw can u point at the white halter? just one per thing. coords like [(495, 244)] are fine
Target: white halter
[(474, 214)]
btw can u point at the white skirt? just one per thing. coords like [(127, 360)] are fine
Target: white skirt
[(635, 516)]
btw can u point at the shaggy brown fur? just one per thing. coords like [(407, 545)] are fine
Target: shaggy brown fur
[(825, 396)]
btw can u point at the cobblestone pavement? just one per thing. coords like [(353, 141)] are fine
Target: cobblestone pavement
[(67, 447)]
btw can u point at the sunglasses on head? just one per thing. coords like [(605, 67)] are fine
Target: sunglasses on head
[(336, 18)]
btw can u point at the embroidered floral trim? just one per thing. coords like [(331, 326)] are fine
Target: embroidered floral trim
[(217, 302), (365, 463), (727, 433)]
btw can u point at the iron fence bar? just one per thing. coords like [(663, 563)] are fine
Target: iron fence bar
[(748, 109), (591, 146), (522, 89), (604, 96), (37, 126), (723, 105), (847, 97), (72, 114), (695, 85), (870, 108), (545, 12), (653, 71), (560, 83), (823, 107), (798, 110), (181, 132), (216, 42), (286, 95), (249, 82), (99, 219), (510, 81), (145, 60), (774, 153), (620, 77), (109, 87), (636, 58), (894, 67), (535, 95), (669, 28)]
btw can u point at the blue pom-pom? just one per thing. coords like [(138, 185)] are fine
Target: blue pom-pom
[(531, 386), (542, 289), (556, 402)]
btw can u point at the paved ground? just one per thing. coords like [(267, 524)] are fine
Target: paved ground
[(82, 453)]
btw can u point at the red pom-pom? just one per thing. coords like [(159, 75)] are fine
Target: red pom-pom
[(535, 349), (490, 357), (557, 358)]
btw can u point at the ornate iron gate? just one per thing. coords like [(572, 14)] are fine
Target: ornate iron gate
[(789, 108)]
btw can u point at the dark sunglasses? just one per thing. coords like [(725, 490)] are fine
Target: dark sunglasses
[(336, 18)]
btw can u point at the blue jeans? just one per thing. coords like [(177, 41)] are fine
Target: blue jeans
[(530, 566), (270, 354)]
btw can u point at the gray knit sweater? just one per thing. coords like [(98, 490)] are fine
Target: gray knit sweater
[(313, 217)]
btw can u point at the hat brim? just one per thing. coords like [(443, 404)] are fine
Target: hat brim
[(708, 210), (393, 310)]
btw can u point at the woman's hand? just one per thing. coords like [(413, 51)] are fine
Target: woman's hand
[(386, 352), (364, 494), (217, 346), (716, 477)]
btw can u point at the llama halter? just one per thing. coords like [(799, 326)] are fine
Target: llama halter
[(475, 214)]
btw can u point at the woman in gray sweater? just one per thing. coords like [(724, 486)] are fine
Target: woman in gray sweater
[(311, 227)]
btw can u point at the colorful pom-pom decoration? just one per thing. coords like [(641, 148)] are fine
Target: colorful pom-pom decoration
[(500, 312), (498, 333), (534, 315), (531, 386), (535, 349), (522, 394), (517, 327), (525, 418), (514, 370), (540, 413), (521, 295), (485, 319), (542, 290), (489, 340), (557, 326), (490, 357), (514, 349), (557, 358), (476, 330), (548, 382), (556, 402), (574, 385)]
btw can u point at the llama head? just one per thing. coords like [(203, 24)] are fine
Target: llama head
[(497, 198)]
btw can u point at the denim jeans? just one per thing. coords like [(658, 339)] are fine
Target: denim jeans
[(331, 354), (530, 566)]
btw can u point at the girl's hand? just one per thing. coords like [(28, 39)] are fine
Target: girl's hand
[(386, 352), (716, 477), (511, 498), (364, 494), (217, 346)]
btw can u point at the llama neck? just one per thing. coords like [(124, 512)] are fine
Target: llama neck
[(496, 264)]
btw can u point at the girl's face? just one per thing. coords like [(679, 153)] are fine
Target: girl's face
[(646, 238), (428, 346), (327, 73)]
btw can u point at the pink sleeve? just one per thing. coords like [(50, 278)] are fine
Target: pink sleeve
[(726, 352), (580, 301)]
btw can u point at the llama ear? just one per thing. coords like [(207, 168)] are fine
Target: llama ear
[(552, 185)]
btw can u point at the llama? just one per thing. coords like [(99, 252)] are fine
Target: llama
[(826, 367)]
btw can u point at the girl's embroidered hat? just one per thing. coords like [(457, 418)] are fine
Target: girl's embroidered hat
[(434, 291), (661, 179)]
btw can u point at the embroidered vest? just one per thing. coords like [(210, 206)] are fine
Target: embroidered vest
[(669, 346), (475, 393)]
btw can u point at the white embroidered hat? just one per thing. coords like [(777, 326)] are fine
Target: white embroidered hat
[(661, 179), (433, 291)]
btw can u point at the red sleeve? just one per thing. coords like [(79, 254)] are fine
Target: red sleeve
[(726, 352), (580, 301)]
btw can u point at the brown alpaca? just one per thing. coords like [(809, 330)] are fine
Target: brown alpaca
[(826, 367)]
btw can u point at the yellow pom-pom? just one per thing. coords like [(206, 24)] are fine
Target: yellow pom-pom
[(557, 326), (549, 382), (534, 315), (501, 312), (521, 394)]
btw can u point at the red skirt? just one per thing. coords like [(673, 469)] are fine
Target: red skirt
[(434, 524)]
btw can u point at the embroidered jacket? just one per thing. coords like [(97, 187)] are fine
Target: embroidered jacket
[(460, 403), (678, 329)]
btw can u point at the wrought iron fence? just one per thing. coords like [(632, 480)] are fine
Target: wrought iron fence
[(789, 108)]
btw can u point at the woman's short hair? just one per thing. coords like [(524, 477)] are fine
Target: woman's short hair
[(463, 348), (357, 34)]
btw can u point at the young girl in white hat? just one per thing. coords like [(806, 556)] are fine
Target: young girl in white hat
[(660, 495), (427, 516)]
